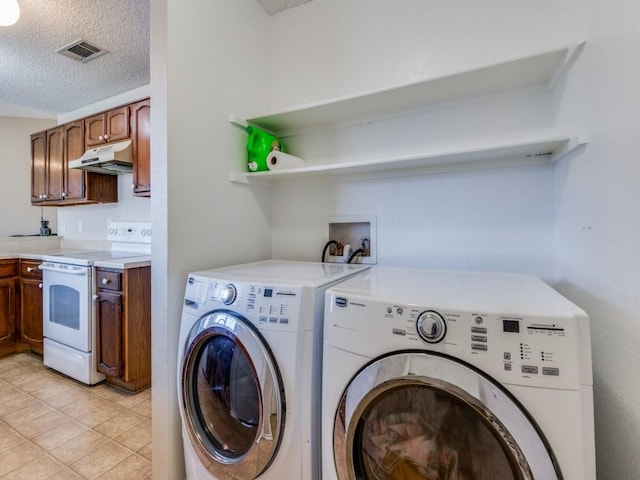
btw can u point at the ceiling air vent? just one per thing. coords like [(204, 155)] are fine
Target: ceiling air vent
[(81, 51)]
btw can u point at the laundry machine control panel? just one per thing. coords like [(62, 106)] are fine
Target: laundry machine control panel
[(517, 349), (266, 306)]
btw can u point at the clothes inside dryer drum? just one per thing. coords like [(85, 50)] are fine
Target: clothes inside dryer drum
[(420, 433), (227, 396)]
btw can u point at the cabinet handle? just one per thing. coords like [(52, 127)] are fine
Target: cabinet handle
[(101, 137), (105, 281), (30, 269), (64, 194), (95, 296), (40, 285)]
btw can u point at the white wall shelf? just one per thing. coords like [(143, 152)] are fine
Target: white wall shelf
[(540, 69), (540, 150)]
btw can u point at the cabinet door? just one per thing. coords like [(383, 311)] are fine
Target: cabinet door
[(109, 333), (73, 148), (31, 313), (94, 130), (117, 124), (140, 123), (55, 163), (7, 311), (38, 166)]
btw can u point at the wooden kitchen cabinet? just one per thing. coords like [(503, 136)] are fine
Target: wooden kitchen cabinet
[(47, 165), (123, 326), (8, 305), (107, 127), (140, 126), (38, 166), (53, 183), (30, 325)]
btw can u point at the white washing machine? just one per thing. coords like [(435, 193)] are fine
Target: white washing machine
[(249, 369), (454, 375)]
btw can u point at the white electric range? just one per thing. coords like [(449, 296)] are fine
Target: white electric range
[(69, 320)]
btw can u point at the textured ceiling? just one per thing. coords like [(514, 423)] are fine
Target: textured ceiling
[(36, 81), (34, 78)]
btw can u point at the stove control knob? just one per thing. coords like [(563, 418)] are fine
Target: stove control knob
[(431, 326), (228, 294)]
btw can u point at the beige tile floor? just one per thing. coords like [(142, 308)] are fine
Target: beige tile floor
[(54, 428)]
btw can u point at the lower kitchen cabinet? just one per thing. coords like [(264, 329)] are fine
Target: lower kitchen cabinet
[(31, 305), (8, 304), (123, 336)]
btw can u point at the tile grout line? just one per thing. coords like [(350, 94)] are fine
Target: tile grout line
[(109, 402)]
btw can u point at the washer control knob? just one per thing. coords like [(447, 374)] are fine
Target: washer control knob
[(228, 294), (431, 326)]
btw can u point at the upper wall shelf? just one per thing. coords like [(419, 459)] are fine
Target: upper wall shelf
[(531, 151), (539, 69)]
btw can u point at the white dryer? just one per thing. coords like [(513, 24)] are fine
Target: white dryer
[(455, 375), (249, 369)]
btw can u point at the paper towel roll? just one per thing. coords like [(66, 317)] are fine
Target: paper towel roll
[(283, 161)]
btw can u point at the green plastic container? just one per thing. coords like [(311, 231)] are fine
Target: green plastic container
[(259, 145)]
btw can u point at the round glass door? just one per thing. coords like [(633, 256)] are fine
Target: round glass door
[(232, 397), (416, 416)]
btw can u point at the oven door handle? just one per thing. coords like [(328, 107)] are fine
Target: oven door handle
[(82, 271)]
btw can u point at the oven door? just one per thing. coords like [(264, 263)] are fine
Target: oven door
[(66, 304)]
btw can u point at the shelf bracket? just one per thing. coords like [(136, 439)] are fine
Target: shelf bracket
[(572, 58), (238, 121)]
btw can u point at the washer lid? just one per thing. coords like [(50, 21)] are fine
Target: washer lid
[(498, 293), (311, 274)]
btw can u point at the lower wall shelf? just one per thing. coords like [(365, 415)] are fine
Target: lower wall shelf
[(540, 150)]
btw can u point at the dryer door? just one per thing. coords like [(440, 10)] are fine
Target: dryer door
[(233, 401), (415, 415)]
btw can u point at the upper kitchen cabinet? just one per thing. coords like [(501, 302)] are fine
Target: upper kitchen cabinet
[(47, 176), (53, 183), (140, 122), (107, 127), (38, 166)]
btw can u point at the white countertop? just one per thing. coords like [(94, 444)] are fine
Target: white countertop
[(35, 248), (134, 261)]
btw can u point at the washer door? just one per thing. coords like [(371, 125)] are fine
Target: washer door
[(415, 415), (233, 401)]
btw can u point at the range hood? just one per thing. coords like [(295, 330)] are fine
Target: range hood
[(113, 159)]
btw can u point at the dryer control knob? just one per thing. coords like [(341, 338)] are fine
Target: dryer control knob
[(431, 326), (228, 294)]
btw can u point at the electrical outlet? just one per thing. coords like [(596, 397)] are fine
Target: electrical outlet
[(80, 226), (62, 228), (354, 234)]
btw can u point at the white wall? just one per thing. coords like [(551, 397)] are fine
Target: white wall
[(499, 219), (586, 207), (575, 225), (18, 215), (89, 222), (209, 59), (598, 233)]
